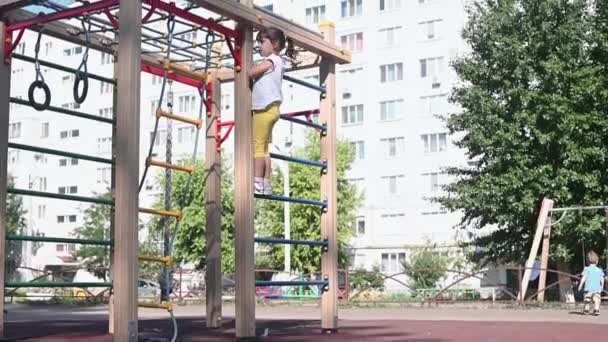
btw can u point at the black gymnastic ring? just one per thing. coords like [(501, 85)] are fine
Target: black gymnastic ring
[(81, 76), (47, 95)]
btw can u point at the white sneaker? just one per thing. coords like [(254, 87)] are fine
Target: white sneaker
[(267, 187)]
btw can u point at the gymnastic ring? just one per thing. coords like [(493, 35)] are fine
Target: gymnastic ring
[(81, 76), (47, 95)]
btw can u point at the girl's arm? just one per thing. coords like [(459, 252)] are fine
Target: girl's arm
[(260, 69)]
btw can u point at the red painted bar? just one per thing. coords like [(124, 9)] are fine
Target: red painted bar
[(178, 78)]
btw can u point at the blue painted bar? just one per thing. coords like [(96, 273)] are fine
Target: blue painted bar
[(322, 128), (292, 283), (291, 200), (299, 160), (304, 83), (291, 242)]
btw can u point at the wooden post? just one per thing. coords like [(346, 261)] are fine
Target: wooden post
[(5, 93), (244, 204), (329, 190), (213, 207), (545, 208), (544, 261), (127, 172), (113, 209)]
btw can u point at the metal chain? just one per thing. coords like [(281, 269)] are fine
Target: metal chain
[(39, 76), (87, 36)]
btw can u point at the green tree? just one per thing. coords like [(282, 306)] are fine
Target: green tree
[(426, 267), (305, 219), (361, 279), (533, 123), (96, 226), (189, 243), (15, 225)]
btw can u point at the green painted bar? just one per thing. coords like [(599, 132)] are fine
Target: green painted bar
[(59, 240), (54, 284), (66, 111), (60, 153), (59, 196)]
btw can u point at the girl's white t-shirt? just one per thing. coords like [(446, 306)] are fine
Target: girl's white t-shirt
[(267, 88)]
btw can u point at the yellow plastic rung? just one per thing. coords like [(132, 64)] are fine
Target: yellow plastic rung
[(159, 163), (196, 122), (164, 306), (165, 260), (176, 214), (185, 71)]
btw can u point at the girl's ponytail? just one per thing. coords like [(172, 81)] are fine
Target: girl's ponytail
[(290, 51)]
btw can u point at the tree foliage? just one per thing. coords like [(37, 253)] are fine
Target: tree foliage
[(533, 123), (426, 267), (305, 219), (15, 225), (361, 279)]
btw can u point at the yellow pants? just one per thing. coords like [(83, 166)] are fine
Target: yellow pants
[(263, 122)]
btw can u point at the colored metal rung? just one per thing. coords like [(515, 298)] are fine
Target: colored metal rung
[(60, 196), (56, 284), (66, 111), (163, 260), (59, 240), (60, 153), (196, 122), (322, 128), (195, 75), (188, 169), (62, 68), (292, 283), (176, 214), (292, 242), (304, 83), (299, 160), (163, 306), (292, 200)]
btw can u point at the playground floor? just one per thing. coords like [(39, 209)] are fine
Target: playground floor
[(55, 324)]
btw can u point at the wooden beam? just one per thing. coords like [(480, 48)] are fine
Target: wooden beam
[(329, 190), (545, 208), (259, 18), (113, 208), (544, 261), (127, 172), (5, 94), (244, 204), (213, 207)]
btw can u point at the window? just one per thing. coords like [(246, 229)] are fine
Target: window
[(69, 134), (269, 8), (431, 67), (71, 247), (359, 226), (390, 5), (394, 146), (353, 41), (425, 2), (185, 134), (190, 36), (75, 133), (393, 184), (104, 174), (106, 112), (157, 80), (71, 105), (72, 51), (14, 130), (42, 183), (73, 189), (60, 219), (391, 110), (60, 247), (226, 101), (13, 156), (391, 72), (74, 161), (433, 104), (359, 147), (161, 136), (430, 28), (149, 184), (106, 58), (63, 162), (352, 114), (44, 130), (154, 106), (104, 145), (61, 190), (351, 8), (392, 262), (315, 14), (434, 142), (105, 88), (389, 36), (434, 181), (47, 48), (67, 79), (41, 211), (187, 103), (72, 218), (21, 48), (351, 71)]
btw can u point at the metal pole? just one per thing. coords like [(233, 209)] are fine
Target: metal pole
[(287, 215)]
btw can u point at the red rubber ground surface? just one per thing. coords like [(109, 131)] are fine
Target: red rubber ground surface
[(302, 330)]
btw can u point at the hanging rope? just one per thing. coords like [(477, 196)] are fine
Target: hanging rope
[(82, 72), (39, 82)]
